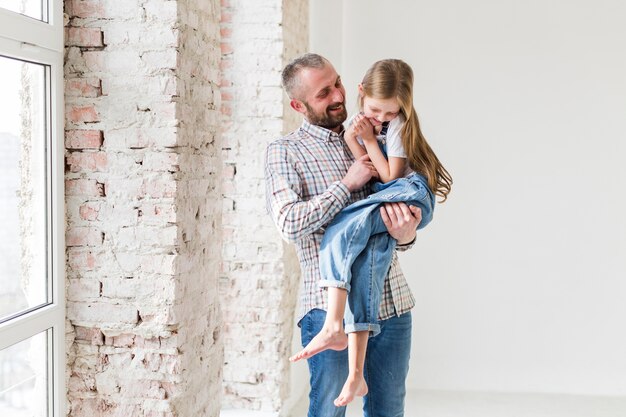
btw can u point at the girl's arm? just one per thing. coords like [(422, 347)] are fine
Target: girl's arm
[(388, 170), (355, 147)]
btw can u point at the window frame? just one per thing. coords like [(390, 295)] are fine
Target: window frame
[(40, 42)]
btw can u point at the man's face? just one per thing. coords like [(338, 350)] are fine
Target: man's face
[(322, 97)]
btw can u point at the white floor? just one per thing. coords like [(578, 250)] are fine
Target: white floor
[(468, 404)]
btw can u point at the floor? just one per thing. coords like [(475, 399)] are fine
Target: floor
[(466, 404)]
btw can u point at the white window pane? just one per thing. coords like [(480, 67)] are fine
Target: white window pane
[(24, 378), (23, 229), (37, 9)]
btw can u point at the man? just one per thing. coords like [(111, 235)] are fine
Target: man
[(310, 177)]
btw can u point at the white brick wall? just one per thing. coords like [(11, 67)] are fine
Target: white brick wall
[(260, 275), (169, 107), (143, 158), (199, 208)]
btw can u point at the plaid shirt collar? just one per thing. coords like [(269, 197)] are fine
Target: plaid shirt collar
[(321, 133)]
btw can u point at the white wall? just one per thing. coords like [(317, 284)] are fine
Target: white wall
[(521, 278)]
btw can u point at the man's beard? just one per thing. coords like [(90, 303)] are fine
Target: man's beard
[(325, 119)]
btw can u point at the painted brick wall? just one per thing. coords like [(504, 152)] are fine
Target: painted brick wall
[(199, 206), (143, 168), (166, 125), (260, 274)]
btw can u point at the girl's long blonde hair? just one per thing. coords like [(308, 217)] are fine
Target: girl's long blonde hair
[(393, 78)]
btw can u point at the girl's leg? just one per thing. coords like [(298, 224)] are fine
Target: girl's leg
[(343, 239), (355, 385), (332, 335), (373, 265), (355, 240)]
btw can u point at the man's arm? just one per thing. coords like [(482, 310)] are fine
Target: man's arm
[(294, 217)]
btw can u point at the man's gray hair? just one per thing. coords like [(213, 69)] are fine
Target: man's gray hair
[(290, 79)]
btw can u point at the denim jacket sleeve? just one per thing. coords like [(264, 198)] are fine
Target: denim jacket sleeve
[(285, 188)]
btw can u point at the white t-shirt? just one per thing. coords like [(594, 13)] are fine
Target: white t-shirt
[(393, 138)]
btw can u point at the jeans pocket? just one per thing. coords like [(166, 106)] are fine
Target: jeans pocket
[(310, 325), (305, 330)]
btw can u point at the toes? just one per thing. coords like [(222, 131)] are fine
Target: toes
[(340, 402), (303, 354)]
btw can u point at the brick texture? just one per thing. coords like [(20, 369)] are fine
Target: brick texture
[(143, 162), (180, 293), (198, 206), (260, 275)]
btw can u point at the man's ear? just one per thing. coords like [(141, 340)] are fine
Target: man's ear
[(297, 105)]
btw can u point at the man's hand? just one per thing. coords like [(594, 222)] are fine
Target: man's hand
[(401, 221), (359, 173)]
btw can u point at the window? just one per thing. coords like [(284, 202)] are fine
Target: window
[(32, 260), (37, 9)]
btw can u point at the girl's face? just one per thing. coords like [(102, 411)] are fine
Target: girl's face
[(380, 110)]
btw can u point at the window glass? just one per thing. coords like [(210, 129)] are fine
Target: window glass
[(24, 378), (37, 9), (23, 165)]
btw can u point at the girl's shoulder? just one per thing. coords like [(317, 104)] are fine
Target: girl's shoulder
[(397, 122), (395, 125)]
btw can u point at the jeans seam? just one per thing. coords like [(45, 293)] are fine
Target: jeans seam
[(370, 411), (349, 244), (371, 277), (313, 393)]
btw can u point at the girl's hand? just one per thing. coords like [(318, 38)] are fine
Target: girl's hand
[(350, 132), (363, 128)]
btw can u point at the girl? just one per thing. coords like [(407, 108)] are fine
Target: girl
[(356, 250)]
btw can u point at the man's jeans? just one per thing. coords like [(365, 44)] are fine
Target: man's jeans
[(356, 249), (386, 368)]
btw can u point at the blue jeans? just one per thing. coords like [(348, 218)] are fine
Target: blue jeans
[(356, 249), (386, 368)]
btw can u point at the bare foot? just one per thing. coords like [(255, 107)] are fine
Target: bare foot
[(325, 339), (354, 387)]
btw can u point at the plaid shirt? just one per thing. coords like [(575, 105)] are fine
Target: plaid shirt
[(303, 173)]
